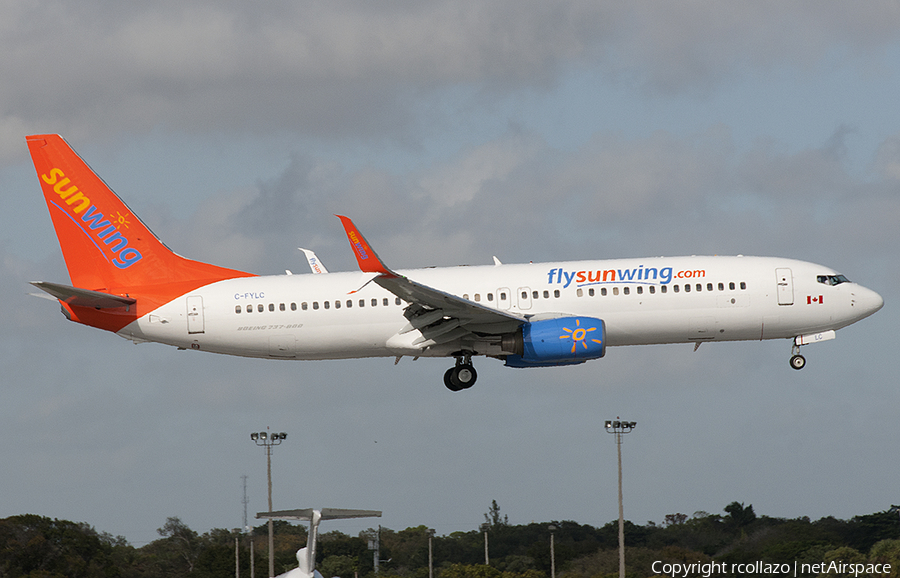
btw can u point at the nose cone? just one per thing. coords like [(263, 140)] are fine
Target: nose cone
[(867, 302)]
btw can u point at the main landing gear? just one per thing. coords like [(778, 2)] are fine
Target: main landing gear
[(797, 360), (462, 376)]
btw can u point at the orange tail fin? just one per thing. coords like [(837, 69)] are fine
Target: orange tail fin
[(105, 245)]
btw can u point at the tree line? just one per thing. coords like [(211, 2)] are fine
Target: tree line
[(40, 547)]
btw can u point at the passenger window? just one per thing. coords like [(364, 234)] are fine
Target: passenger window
[(580, 293), (315, 304), (260, 308), (362, 302), (743, 285), (731, 286), (477, 297), (675, 288), (640, 290), (626, 291), (502, 296), (721, 286), (465, 295), (249, 308), (396, 301), (603, 291), (524, 294), (281, 307), (303, 306), (374, 302), (534, 294), (546, 295), (271, 307), (615, 290), (687, 287), (709, 286), (349, 303), (337, 304), (699, 287), (237, 309), (293, 306), (384, 301), (591, 291), (556, 293), (326, 304), (490, 296), (652, 289), (664, 288)]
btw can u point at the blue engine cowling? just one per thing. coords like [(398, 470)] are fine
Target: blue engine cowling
[(563, 341)]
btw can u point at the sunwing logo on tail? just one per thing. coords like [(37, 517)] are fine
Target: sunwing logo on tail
[(357, 244), (105, 235)]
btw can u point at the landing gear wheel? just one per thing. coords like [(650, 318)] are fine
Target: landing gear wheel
[(461, 377), (798, 361), (448, 380), (464, 375)]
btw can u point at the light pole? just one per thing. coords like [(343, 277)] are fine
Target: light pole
[(619, 428), (485, 528), (552, 529), (268, 441), (430, 532)]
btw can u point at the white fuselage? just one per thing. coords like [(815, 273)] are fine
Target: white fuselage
[(642, 301)]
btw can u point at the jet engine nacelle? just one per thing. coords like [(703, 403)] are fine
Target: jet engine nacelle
[(561, 341)]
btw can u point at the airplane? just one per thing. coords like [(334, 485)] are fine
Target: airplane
[(306, 556), (125, 280)]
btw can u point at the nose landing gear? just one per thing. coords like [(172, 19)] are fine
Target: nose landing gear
[(462, 376), (797, 360)]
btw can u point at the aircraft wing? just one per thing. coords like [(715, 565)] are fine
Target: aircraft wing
[(438, 315), (84, 297)]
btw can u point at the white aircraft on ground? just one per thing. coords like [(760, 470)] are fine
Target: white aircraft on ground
[(306, 557), (125, 280)]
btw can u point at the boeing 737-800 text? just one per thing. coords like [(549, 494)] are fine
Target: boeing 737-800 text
[(125, 280)]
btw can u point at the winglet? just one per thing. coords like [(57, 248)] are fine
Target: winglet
[(315, 264), (368, 260)]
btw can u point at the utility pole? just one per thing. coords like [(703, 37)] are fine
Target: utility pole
[(484, 528), (430, 558), (552, 529), (245, 501), (619, 428), (377, 547)]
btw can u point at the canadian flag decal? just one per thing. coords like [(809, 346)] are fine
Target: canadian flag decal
[(810, 300)]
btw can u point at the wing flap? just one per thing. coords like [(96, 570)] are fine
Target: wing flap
[(84, 297)]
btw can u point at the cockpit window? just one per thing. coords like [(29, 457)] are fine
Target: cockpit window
[(832, 279)]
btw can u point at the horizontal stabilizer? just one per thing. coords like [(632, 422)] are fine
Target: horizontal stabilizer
[(327, 514), (84, 297)]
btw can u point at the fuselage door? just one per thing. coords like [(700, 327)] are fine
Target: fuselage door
[(195, 314), (785, 283), (524, 294)]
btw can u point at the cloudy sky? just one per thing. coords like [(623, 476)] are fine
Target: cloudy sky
[(454, 131)]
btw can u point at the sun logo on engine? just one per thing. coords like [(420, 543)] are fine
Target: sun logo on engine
[(579, 335)]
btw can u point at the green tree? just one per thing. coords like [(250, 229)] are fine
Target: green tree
[(343, 566), (886, 552), (844, 554), (493, 516), (739, 516)]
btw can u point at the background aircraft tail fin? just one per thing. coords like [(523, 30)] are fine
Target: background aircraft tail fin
[(105, 245)]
